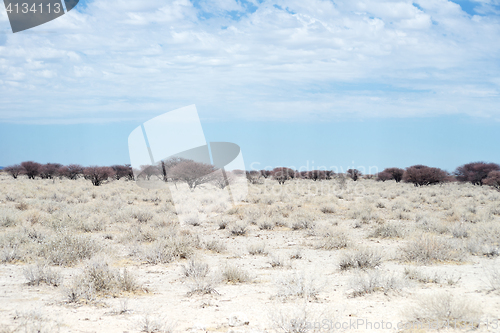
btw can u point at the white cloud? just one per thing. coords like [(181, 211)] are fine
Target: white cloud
[(302, 60)]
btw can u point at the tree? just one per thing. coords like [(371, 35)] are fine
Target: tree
[(383, 176), (329, 174), (266, 173), (421, 175), (14, 170), (282, 174), (254, 176), (31, 169), (121, 171), (49, 170), (148, 171), (395, 173), (475, 172), (493, 179), (72, 171), (354, 174), (191, 172), (316, 174), (97, 175)]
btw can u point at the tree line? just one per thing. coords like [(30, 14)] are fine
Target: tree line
[(195, 173)]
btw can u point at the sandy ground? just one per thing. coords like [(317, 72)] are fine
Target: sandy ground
[(165, 300)]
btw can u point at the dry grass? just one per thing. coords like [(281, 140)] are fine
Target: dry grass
[(429, 249), (443, 308), (364, 258), (71, 225)]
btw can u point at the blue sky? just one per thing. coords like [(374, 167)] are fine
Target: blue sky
[(341, 83)]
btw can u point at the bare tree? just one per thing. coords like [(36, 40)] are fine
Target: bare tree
[(254, 176), (49, 170), (14, 170), (493, 179), (354, 174), (316, 175), (383, 176), (282, 174), (72, 171), (266, 173), (421, 175), (395, 173), (31, 169), (121, 171), (97, 175), (475, 172), (191, 172), (148, 171)]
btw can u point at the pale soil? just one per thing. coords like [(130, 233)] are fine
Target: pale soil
[(165, 290)]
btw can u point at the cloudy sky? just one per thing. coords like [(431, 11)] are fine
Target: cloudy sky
[(339, 82)]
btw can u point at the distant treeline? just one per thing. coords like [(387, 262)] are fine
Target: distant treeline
[(477, 173)]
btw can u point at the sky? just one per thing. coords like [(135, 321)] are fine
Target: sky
[(307, 84)]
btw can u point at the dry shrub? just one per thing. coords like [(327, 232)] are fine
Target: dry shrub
[(257, 249), (363, 258), (373, 281), (336, 241), (195, 269), (239, 229), (67, 249), (99, 279), (42, 273), (429, 249), (389, 230), (203, 286), (214, 245), (442, 309), (297, 285), (169, 249), (234, 274)]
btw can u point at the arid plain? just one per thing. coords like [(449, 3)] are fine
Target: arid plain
[(331, 255)]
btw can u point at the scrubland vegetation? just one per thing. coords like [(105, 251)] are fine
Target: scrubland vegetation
[(299, 249)]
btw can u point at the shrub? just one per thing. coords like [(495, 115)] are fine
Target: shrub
[(196, 269), (334, 242), (475, 172), (169, 249), (297, 285), (421, 175), (364, 258), (214, 245), (203, 286), (42, 273), (445, 309), (234, 274), (257, 249), (98, 279), (389, 230), (67, 249), (370, 282), (429, 249), (239, 229)]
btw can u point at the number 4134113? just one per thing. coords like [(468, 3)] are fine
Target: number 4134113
[(40, 8)]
